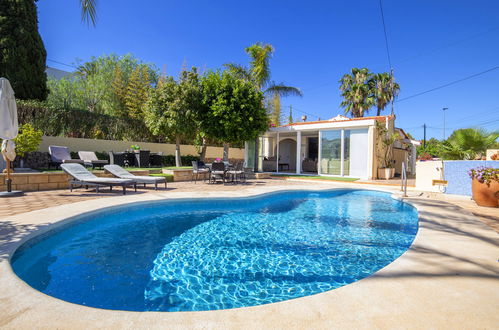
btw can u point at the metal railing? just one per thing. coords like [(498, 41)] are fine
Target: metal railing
[(403, 186)]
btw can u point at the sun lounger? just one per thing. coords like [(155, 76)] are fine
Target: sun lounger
[(82, 177), (120, 172), (60, 155), (90, 159)]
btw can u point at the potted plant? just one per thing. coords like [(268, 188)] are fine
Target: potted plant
[(135, 148), (385, 156), (27, 140), (485, 186)]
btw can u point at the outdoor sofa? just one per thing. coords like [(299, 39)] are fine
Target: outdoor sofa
[(82, 177), (90, 159), (121, 173)]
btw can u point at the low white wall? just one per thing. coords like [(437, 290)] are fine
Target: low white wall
[(426, 172), (108, 145)]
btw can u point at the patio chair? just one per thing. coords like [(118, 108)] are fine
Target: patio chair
[(121, 173), (117, 158), (142, 158), (237, 172), (217, 172), (61, 155), (197, 169), (82, 177), (90, 159)]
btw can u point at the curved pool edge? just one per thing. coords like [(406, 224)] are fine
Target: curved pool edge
[(39, 306)]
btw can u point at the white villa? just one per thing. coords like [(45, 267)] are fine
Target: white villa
[(340, 146)]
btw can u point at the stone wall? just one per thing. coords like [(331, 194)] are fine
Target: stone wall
[(45, 180)]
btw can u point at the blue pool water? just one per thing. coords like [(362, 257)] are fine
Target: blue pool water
[(193, 255)]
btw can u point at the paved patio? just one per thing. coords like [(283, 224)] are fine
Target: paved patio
[(448, 279)]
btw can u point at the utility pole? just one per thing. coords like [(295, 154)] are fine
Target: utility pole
[(424, 136), (443, 109)]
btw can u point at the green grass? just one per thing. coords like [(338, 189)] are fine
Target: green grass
[(332, 178), (169, 177)]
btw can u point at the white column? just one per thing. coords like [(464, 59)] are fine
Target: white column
[(298, 152), (277, 155), (245, 154), (319, 160), (342, 157)]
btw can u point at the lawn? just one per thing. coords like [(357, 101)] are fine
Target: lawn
[(332, 178)]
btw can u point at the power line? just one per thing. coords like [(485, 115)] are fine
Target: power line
[(448, 84), (386, 38), (69, 65)]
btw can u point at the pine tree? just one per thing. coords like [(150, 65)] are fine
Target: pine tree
[(290, 117), (22, 53), (136, 92)]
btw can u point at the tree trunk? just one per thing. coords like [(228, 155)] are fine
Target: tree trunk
[(178, 160), (379, 112), (226, 152), (202, 155)]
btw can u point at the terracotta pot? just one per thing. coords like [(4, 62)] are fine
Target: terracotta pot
[(485, 195), (386, 173)]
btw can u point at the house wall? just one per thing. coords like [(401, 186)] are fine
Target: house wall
[(400, 156), (75, 144)]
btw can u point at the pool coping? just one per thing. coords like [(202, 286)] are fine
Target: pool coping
[(418, 267)]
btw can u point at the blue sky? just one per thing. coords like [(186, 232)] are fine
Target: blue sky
[(431, 43)]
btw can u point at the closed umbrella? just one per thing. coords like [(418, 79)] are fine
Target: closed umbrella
[(8, 128)]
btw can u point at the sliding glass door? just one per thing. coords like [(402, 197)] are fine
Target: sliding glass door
[(344, 152), (331, 152)]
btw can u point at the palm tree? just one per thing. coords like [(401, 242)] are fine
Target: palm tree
[(88, 11), (384, 89), (468, 143), (259, 74), (356, 92)]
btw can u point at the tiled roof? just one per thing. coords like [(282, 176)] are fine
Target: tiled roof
[(378, 118)]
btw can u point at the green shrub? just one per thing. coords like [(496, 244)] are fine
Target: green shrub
[(27, 140)]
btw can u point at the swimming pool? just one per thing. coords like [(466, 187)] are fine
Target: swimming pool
[(208, 254)]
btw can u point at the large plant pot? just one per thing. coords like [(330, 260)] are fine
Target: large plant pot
[(485, 195), (386, 173)]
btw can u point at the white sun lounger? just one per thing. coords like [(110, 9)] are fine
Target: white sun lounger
[(121, 173), (82, 177)]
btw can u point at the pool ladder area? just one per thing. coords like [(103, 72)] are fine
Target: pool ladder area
[(403, 186)]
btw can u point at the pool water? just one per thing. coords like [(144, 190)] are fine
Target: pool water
[(208, 254)]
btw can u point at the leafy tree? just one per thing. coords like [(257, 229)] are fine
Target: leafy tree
[(356, 92), (384, 89), (112, 85), (469, 143), (172, 108), (259, 74), (232, 111), (432, 147), (22, 53)]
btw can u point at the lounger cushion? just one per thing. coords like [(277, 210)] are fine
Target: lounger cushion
[(120, 172), (80, 173)]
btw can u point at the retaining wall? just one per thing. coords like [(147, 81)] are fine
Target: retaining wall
[(75, 144)]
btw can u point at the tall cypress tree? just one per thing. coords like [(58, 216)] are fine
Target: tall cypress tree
[(22, 53)]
